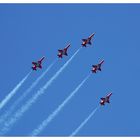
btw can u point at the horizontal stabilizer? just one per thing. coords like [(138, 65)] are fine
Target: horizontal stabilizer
[(34, 63), (60, 56), (94, 66), (84, 40), (34, 68), (94, 71), (60, 51)]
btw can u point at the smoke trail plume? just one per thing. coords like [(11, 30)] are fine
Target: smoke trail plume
[(8, 124), (12, 108), (59, 108), (84, 122), (13, 92)]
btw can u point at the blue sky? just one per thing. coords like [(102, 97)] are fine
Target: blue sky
[(28, 32)]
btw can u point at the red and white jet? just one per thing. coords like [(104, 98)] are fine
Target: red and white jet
[(106, 99), (63, 51), (87, 41), (97, 67), (37, 64)]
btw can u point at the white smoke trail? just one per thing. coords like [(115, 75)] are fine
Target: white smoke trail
[(58, 109), (13, 92), (12, 108), (84, 122), (8, 124)]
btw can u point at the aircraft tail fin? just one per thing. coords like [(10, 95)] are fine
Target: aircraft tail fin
[(94, 66), (84, 39)]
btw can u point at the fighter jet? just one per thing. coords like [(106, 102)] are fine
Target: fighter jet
[(97, 67), (63, 51), (87, 41), (106, 99), (37, 64)]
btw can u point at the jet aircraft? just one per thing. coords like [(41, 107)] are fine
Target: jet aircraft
[(106, 99), (37, 64), (63, 51), (87, 40), (97, 67)]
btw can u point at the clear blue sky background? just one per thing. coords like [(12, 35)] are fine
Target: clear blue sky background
[(27, 32)]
